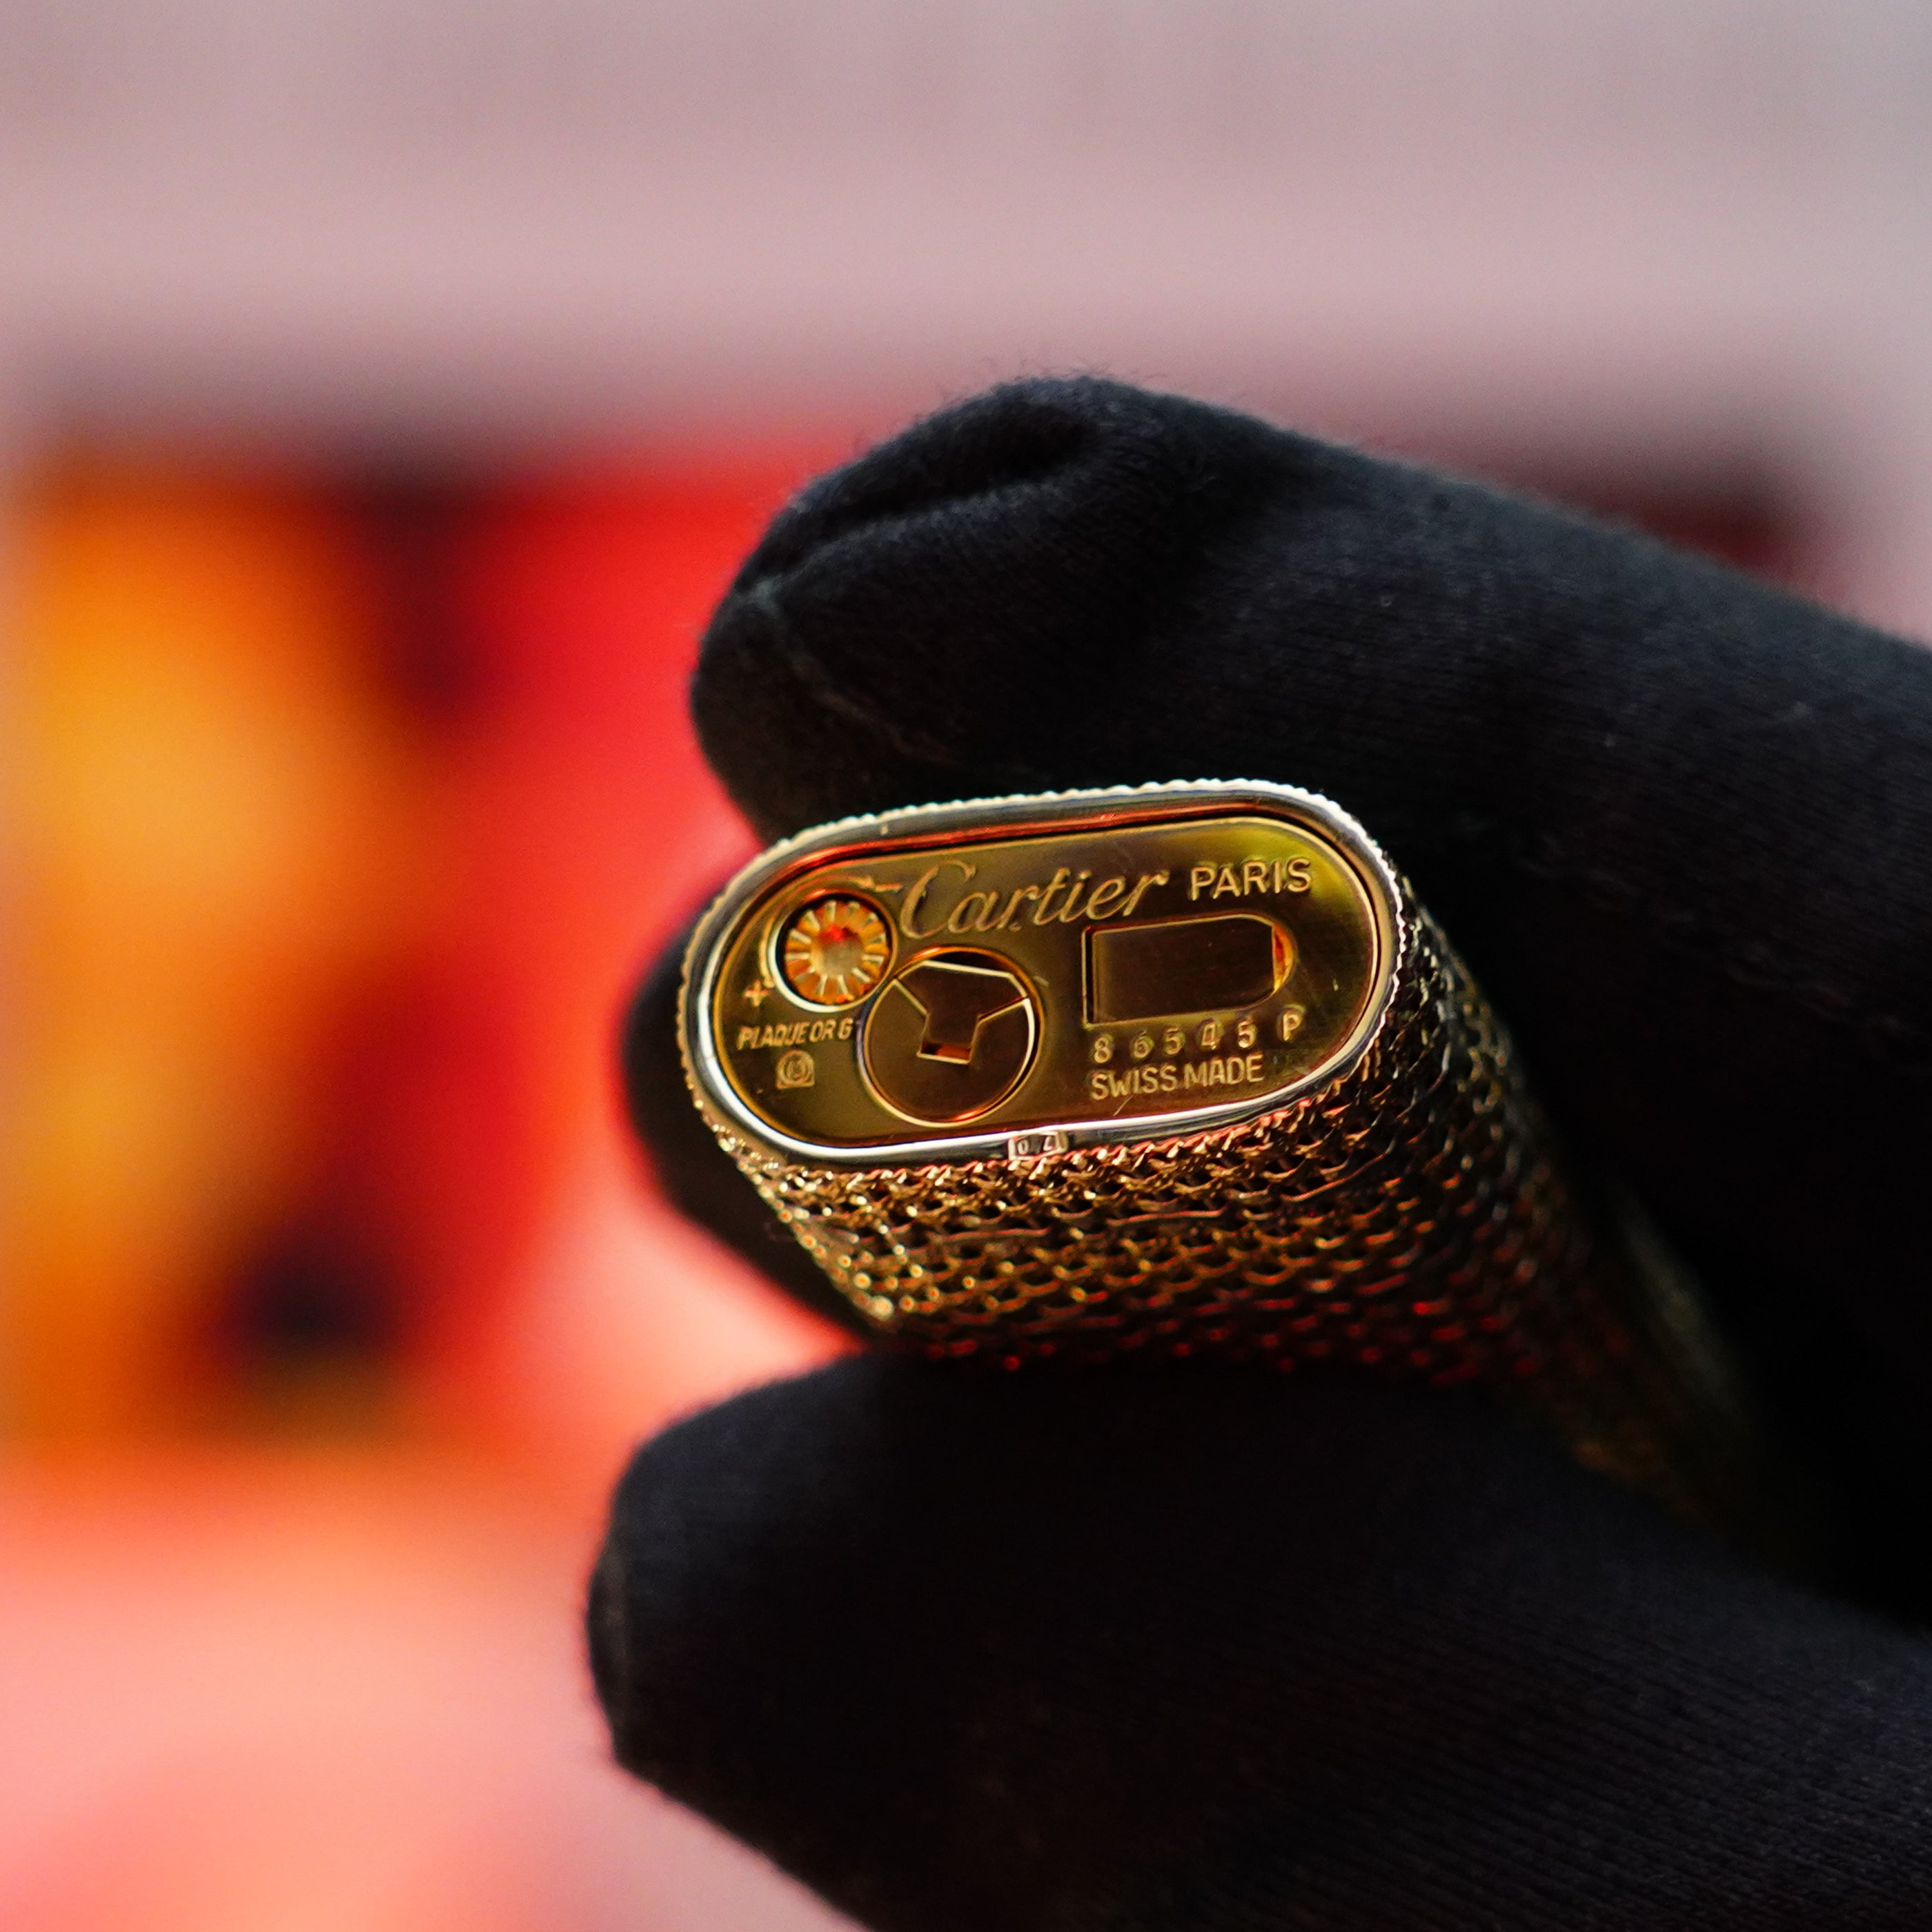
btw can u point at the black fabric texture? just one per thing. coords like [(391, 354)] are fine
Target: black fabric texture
[(1191, 1649), (1214, 1649)]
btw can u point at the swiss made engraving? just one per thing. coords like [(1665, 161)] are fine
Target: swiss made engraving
[(1113, 968)]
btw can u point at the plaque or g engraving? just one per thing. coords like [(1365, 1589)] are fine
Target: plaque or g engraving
[(1181, 1069)]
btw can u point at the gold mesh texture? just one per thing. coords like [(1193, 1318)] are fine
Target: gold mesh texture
[(1410, 1217)]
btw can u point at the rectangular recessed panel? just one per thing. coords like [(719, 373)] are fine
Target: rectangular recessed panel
[(1181, 966)]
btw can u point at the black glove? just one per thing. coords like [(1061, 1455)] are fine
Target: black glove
[(1204, 1648)]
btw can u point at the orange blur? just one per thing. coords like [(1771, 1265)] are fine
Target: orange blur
[(340, 818)]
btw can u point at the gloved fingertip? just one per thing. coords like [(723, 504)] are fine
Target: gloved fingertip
[(944, 604), (605, 1634)]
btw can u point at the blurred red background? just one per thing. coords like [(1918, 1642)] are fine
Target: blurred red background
[(346, 814)]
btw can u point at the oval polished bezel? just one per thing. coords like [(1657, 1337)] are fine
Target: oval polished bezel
[(736, 936)]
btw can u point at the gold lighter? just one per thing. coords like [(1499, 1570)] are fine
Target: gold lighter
[(1178, 1070)]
